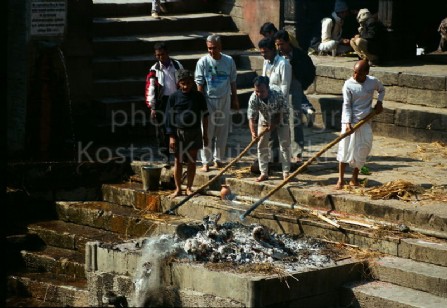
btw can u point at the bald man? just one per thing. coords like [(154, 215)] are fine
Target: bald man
[(358, 95)]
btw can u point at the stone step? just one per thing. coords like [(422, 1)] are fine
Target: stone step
[(292, 221), (67, 235), (433, 252), (120, 8), (56, 261), (53, 290), (18, 301), (65, 180), (138, 65), (126, 221), (324, 198), (407, 273), (425, 85), (133, 86), (111, 26), (398, 120), (121, 119), (383, 294), (177, 41)]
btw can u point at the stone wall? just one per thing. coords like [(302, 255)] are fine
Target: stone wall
[(17, 67), (249, 15)]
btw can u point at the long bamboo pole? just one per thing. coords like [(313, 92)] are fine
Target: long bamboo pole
[(309, 161), (201, 188)]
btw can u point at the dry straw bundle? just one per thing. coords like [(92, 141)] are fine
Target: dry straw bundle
[(399, 189)]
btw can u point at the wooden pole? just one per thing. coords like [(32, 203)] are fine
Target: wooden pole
[(201, 188), (309, 161)]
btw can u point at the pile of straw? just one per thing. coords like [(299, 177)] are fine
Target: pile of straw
[(399, 189)]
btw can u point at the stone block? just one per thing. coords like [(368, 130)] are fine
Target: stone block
[(421, 250), (422, 81), (409, 134), (419, 119)]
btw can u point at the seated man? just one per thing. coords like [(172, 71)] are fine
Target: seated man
[(443, 32), (332, 39), (369, 42)]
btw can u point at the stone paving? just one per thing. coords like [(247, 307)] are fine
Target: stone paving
[(391, 159)]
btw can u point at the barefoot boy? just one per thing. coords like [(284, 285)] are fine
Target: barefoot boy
[(358, 94), (186, 119)]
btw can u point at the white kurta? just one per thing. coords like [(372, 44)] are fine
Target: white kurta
[(357, 104)]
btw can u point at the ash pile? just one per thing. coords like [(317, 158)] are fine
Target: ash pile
[(236, 243)]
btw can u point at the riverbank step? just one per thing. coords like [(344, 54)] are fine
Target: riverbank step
[(382, 294), (412, 274), (68, 235), (56, 261), (46, 288)]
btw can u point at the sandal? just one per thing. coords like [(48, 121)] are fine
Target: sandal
[(262, 178)]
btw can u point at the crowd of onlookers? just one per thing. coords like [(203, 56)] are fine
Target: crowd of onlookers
[(192, 109)]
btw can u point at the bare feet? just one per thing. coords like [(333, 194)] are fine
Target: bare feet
[(175, 194), (354, 183), (339, 185), (218, 164), (189, 192), (205, 168), (262, 177)]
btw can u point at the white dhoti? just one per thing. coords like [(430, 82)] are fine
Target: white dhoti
[(354, 149)]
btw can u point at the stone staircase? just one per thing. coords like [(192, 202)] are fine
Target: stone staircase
[(55, 211), (123, 38), (415, 107), (53, 230)]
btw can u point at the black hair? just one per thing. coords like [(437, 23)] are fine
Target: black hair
[(267, 42), (160, 46), (267, 27), (185, 74), (261, 80), (282, 35)]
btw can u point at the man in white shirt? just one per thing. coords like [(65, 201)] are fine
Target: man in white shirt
[(358, 94), (166, 71)]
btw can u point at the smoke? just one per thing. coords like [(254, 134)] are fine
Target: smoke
[(150, 289)]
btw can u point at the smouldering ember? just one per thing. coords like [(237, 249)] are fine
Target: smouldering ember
[(235, 243)]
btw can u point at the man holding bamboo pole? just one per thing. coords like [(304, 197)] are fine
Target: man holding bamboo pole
[(358, 94), (267, 111)]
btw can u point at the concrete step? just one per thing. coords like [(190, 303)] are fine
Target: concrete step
[(67, 235), (127, 221), (382, 294), (53, 290), (177, 41), (407, 273), (145, 24), (56, 261)]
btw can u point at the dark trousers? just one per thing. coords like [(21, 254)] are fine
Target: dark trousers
[(160, 130)]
